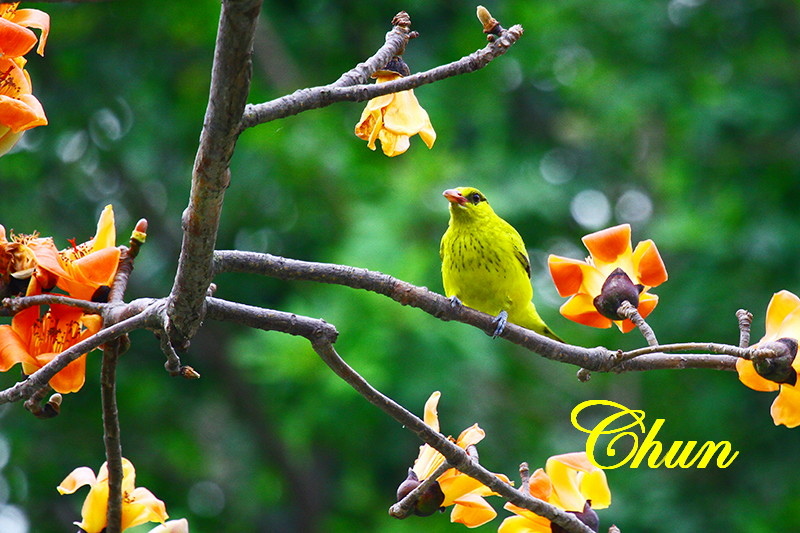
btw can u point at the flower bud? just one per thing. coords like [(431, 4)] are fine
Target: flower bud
[(395, 65), (428, 502), (587, 516), (617, 288), (777, 368)]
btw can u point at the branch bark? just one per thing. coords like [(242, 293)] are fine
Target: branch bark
[(341, 91), (230, 85), (597, 359), (322, 335)]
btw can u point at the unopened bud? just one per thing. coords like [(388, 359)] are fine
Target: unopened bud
[(617, 288), (396, 65), (777, 367), (428, 502), (587, 516)]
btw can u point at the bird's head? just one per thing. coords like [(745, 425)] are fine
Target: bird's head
[(467, 201)]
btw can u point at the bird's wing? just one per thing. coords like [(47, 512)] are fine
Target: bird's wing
[(520, 253)]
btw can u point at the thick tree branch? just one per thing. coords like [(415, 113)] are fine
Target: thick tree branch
[(230, 85), (317, 97)]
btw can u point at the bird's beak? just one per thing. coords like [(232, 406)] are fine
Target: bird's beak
[(454, 197)]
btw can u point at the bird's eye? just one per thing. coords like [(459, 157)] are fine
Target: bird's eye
[(475, 198)]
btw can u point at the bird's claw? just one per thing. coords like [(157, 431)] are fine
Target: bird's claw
[(455, 303), (501, 320)]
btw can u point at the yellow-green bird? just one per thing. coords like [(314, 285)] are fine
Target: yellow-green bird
[(485, 264)]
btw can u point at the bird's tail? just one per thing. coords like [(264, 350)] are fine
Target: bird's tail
[(533, 321)]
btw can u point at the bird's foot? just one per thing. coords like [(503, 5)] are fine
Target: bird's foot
[(500, 320), (455, 303)]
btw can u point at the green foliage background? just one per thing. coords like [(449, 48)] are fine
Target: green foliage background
[(680, 117)]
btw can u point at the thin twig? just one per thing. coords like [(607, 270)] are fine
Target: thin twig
[(745, 319), (111, 435), (12, 306), (396, 41), (631, 313), (322, 96), (404, 507)]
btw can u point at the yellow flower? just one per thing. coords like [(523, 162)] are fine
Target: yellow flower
[(464, 493), (568, 481), (611, 255), (139, 505), (783, 321), (16, 39), (393, 119)]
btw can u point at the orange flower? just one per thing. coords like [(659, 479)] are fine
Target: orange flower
[(83, 268), (783, 321), (34, 340), (568, 481), (393, 119), (610, 249), (139, 505), (19, 109), (35, 337), (16, 39), (463, 492)]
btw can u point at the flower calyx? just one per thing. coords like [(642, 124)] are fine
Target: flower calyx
[(777, 367), (617, 288)]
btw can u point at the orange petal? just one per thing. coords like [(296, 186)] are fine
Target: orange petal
[(568, 474), (608, 245), (13, 349), (785, 409), (431, 416), (472, 511), (143, 507), (470, 436), (15, 40), (781, 305), (76, 479), (71, 378), (751, 378), (580, 308), (106, 234), (34, 18), (649, 266), (524, 524), (567, 274)]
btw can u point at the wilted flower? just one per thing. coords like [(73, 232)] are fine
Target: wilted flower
[(568, 482), (783, 322), (613, 272), (139, 505), (394, 118), (463, 492)]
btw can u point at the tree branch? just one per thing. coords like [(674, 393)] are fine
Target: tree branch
[(322, 335), (150, 317), (111, 435), (230, 85), (597, 359), (317, 97)]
